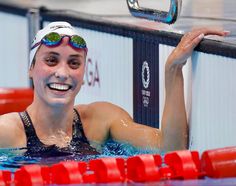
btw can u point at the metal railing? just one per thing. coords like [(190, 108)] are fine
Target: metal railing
[(157, 15)]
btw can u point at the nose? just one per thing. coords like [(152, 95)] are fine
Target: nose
[(62, 72)]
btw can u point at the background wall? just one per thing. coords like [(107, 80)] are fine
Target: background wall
[(109, 69), (13, 51)]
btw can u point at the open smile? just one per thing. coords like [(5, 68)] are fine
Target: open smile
[(59, 87)]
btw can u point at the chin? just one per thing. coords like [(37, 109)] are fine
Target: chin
[(59, 102)]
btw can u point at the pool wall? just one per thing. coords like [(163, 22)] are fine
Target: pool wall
[(125, 66)]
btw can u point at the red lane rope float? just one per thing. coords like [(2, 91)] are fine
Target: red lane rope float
[(15, 93), (144, 168), (15, 99), (5, 177), (108, 170), (184, 164), (217, 163), (29, 175), (166, 173), (68, 172)]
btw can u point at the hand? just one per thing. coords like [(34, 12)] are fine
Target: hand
[(188, 42)]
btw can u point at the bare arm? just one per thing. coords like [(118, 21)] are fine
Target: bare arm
[(11, 134), (174, 121), (102, 120), (114, 121), (126, 130)]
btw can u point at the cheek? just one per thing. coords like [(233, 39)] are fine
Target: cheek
[(39, 74), (79, 76)]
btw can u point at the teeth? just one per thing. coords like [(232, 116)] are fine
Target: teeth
[(61, 87)]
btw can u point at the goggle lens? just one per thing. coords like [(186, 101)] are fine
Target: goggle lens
[(77, 41), (51, 39), (54, 39)]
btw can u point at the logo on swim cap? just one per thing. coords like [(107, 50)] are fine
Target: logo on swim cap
[(145, 74), (55, 27)]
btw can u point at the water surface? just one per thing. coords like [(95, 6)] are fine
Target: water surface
[(12, 159)]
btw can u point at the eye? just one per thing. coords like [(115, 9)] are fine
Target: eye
[(74, 63), (51, 60)]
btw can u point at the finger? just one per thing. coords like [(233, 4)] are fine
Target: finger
[(197, 40), (206, 31), (215, 32), (226, 32), (191, 42), (211, 31), (190, 36)]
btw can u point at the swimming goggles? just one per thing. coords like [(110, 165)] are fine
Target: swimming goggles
[(54, 39)]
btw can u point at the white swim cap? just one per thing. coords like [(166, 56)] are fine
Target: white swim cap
[(62, 28)]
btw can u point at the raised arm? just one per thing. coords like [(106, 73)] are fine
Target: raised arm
[(107, 119), (174, 121)]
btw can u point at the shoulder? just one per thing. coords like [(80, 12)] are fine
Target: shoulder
[(102, 109), (9, 119), (10, 129), (98, 118)]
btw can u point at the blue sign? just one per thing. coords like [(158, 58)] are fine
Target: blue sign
[(146, 82)]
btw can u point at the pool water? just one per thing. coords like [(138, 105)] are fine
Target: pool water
[(12, 159)]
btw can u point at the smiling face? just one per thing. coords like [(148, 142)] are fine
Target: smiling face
[(58, 73)]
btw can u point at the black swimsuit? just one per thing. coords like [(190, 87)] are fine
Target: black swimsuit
[(79, 144)]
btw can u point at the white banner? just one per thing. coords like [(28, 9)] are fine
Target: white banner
[(13, 51), (109, 70), (213, 112)]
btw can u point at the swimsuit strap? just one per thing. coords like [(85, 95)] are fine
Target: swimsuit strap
[(78, 145), (78, 132), (32, 138)]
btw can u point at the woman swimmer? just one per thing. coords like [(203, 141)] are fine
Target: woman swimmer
[(57, 57)]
